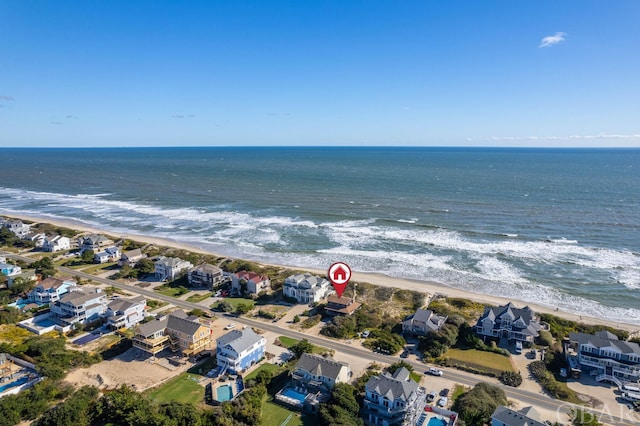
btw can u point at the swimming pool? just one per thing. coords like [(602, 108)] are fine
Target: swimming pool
[(293, 394), (44, 323), (20, 381), (437, 421), (224, 393)]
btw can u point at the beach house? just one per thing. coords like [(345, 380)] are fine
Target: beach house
[(393, 399), (312, 381), (125, 313), (205, 275), (341, 306), (505, 416), (110, 254), (93, 242), (510, 322), (606, 356), (247, 282), (239, 349), (168, 268), (131, 257), (423, 321), (80, 305), (306, 288), (50, 290), (9, 269), (176, 331), (54, 243), (16, 226)]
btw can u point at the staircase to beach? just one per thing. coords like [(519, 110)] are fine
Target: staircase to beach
[(608, 378)]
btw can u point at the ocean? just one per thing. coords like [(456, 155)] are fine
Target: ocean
[(557, 227)]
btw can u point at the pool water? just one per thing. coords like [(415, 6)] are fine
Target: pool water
[(45, 323), (18, 382), (435, 421), (293, 394), (224, 393)]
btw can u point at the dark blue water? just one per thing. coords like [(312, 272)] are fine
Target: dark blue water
[(555, 227)]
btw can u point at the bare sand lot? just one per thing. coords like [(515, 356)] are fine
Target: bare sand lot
[(139, 372)]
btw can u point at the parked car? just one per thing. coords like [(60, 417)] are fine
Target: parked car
[(229, 326), (431, 396), (404, 354), (434, 371), (365, 334), (444, 392), (442, 402)]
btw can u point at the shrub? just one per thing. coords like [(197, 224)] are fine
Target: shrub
[(311, 321), (511, 378)]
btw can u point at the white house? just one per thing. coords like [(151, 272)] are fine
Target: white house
[(423, 321), (392, 399), (51, 289), (519, 324), (93, 242), (110, 254), (56, 243), (306, 288), (37, 238), (81, 305), (168, 268), (17, 227), (125, 313), (239, 349), (9, 269), (131, 257)]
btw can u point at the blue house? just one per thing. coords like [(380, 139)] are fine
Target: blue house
[(239, 349)]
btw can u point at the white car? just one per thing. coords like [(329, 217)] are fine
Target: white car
[(442, 402), (229, 326), (435, 371)]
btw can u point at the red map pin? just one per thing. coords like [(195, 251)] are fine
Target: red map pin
[(339, 275)]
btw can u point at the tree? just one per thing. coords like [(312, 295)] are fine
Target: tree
[(511, 378), (296, 319), (145, 266), (342, 408), (302, 347), (398, 365), (44, 267), (581, 417), (243, 308), (87, 256), (476, 406)]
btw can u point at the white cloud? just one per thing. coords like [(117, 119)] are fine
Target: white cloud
[(549, 41)]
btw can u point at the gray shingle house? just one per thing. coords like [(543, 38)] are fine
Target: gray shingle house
[(422, 322), (392, 399), (519, 324), (504, 416)]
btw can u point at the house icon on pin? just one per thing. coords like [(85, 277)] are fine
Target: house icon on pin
[(339, 274)]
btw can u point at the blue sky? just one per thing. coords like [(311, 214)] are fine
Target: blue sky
[(470, 73)]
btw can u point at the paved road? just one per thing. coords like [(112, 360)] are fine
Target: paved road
[(618, 418)]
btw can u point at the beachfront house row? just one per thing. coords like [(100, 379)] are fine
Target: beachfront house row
[(110, 254), (518, 324), (422, 322), (80, 305), (131, 257), (125, 313), (168, 268), (239, 349), (341, 306), (50, 290), (505, 416), (392, 399), (93, 242), (36, 237), (177, 331), (20, 229), (205, 275), (54, 243), (306, 288), (602, 353), (247, 282)]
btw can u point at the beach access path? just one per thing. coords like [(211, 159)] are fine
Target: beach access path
[(524, 397)]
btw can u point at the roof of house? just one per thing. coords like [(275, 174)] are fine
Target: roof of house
[(305, 280), (251, 276), (532, 327), (152, 327), (427, 316), (396, 386), (179, 321), (344, 305), (603, 339), (51, 282), (121, 304), (171, 262), (80, 297), (132, 253), (207, 268), (239, 340), (96, 239), (528, 416), (319, 366)]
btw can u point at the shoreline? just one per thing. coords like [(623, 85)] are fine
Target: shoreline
[(377, 279)]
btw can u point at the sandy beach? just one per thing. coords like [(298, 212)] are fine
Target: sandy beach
[(372, 278)]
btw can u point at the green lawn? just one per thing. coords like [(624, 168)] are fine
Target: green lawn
[(181, 389), (195, 298), (265, 366), (287, 342), (93, 269), (415, 376), (275, 415), (171, 291), (485, 361), (235, 301)]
